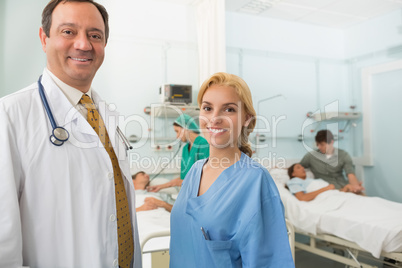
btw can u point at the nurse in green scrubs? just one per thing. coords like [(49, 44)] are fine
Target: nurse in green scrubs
[(196, 148)]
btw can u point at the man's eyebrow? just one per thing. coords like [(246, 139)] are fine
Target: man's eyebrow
[(66, 24), (96, 30)]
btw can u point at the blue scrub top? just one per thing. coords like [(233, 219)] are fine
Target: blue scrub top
[(241, 213)]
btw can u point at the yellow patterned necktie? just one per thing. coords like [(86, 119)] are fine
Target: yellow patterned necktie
[(124, 229)]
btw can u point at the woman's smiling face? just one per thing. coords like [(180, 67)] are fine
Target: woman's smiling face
[(221, 116)]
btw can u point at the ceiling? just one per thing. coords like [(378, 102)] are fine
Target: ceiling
[(329, 13), (339, 14)]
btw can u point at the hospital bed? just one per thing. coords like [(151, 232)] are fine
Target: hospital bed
[(154, 233), (154, 230), (344, 221)]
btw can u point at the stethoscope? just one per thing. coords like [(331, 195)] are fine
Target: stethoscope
[(59, 134)]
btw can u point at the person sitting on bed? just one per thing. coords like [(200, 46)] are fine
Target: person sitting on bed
[(154, 200), (329, 162), (299, 184)]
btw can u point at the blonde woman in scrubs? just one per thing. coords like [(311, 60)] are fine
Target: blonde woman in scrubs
[(228, 212)]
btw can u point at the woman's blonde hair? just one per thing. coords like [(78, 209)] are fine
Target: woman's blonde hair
[(243, 91)]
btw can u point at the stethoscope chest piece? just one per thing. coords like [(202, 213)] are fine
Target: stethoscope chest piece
[(59, 134)]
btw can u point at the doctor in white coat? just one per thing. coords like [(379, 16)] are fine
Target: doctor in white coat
[(58, 203)]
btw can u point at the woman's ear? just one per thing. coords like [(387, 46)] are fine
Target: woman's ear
[(249, 117)]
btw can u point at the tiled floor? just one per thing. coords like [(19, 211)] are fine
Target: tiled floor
[(308, 260), (305, 259)]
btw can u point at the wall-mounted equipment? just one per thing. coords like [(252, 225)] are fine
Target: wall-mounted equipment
[(348, 117), (175, 94), (166, 110), (336, 116)]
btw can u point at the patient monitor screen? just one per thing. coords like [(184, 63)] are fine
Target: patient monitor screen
[(181, 93)]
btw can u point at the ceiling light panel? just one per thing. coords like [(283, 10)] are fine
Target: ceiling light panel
[(258, 6)]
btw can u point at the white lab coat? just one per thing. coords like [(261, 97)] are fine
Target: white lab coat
[(57, 204)]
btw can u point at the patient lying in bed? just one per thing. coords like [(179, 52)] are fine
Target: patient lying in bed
[(146, 200), (306, 189), (373, 223)]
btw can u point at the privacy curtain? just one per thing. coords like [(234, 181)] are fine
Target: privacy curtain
[(211, 37)]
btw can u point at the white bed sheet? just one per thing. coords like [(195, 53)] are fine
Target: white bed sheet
[(374, 224), (152, 221)]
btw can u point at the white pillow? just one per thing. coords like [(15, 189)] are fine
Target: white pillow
[(280, 175), (309, 174)]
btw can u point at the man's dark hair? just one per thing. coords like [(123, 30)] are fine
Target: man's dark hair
[(324, 136), (135, 175), (48, 10)]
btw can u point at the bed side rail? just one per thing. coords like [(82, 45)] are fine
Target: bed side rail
[(153, 235), (352, 248)]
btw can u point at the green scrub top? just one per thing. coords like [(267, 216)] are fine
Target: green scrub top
[(199, 150)]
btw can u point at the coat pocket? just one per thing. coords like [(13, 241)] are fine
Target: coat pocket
[(220, 252)]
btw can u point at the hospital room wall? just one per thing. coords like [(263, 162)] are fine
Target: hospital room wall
[(383, 178), (374, 35), (304, 63), (22, 57), (380, 41)]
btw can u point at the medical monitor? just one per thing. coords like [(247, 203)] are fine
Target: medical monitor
[(175, 94)]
